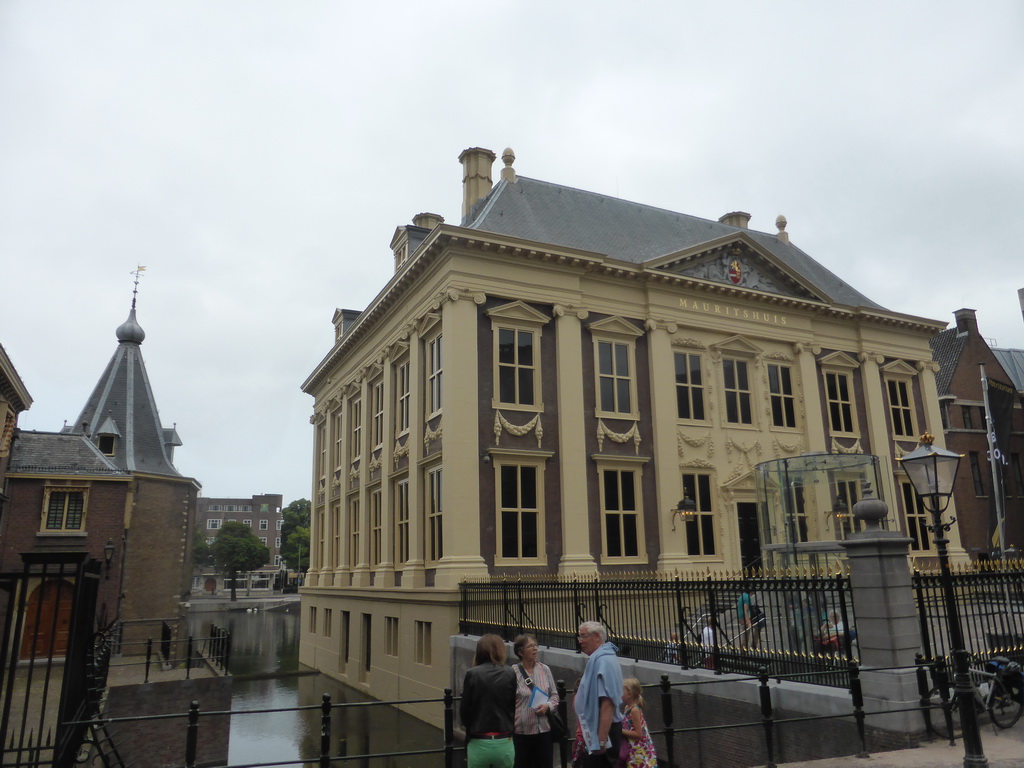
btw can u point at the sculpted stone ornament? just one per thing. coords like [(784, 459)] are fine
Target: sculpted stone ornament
[(870, 510)]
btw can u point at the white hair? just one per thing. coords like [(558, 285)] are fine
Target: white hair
[(594, 628)]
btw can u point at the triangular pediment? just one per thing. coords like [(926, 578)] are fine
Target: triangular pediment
[(519, 313), (615, 326), (743, 482), (838, 360), (737, 345), (739, 262), (899, 368)]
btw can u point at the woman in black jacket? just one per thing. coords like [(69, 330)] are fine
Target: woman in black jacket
[(488, 706)]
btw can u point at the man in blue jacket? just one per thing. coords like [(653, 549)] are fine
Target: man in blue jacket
[(599, 697)]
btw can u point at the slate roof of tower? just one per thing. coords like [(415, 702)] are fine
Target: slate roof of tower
[(59, 454), (123, 396), (630, 232)]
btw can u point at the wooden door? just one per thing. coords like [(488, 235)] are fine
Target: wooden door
[(48, 619)]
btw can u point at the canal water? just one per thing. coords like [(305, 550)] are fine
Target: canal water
[(267, 675)]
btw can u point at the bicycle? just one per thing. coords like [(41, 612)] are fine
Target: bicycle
[(997, 688)]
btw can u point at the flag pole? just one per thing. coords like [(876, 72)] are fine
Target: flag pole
[(997, 484)]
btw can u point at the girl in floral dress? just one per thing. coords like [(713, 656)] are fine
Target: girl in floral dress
[(634, 727)]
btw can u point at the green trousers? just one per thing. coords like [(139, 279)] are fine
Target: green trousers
[(487, 753)]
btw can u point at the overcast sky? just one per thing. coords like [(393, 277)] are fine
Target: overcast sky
[(256, 156)]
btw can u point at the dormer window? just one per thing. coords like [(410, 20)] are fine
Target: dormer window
[(107, 444)]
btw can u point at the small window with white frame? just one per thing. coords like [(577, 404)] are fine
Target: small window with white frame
[(621, 513), (520, 508), (516, 331), (213, 524), (899, 388), (701, 534), (615, 367), (837, 371), (435, 375), (64, 509), (917, 519)]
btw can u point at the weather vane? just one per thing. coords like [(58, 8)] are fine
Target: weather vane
[(138, 273)]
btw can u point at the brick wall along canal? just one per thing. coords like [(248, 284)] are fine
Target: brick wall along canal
[(267, 675)]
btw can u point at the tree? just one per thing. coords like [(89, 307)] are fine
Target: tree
[(295, 534), (201, 556), (237, 550)]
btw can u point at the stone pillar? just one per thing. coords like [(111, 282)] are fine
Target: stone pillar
[(413, 572), (888, 633), (661, 360), (577, 556)]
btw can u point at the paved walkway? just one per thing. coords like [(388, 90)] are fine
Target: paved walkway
[(1004, 749)]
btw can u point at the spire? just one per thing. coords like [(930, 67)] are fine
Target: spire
[(130, 331), (121, 417)]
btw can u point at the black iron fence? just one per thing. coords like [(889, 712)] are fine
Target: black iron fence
[(990, 601), (759, 728), (790, 623), (186, 653)]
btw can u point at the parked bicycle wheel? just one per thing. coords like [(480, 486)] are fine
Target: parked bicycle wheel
[(1003, 708)]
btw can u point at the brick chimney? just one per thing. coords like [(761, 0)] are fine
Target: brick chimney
[(736, 219), (966, 322), (476, 176)]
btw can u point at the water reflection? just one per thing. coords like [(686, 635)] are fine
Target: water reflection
[(267, 675)]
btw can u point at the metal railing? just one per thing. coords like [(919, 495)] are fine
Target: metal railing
[(807, 621), (187, 653), (760, 727), (990, 601)]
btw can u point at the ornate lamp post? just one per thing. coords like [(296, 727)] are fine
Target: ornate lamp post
[(932, 472), (685, 510)]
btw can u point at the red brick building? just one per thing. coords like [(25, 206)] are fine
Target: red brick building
[(960, 352), (106, 485)]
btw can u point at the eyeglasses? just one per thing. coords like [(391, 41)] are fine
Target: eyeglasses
[(583, 635)]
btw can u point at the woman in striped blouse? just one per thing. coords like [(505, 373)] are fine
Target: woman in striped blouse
[(533, 732)]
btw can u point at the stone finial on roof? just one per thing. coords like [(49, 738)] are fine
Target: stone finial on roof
[(780, 222), (130, 330), (508, 173)]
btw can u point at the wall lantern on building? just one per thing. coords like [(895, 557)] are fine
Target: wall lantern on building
[(108, 554), (686, 509), (932, 472)]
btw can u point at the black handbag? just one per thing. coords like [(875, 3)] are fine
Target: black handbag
[(555, 719)]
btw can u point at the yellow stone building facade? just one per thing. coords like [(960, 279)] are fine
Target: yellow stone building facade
[(535, 389)]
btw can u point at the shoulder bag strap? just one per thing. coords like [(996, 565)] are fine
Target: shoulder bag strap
[(526, 678)]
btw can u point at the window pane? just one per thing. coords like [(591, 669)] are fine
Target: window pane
[(611, 490), (692, 538), (741, 374), (729, 374), (525, 348), (529, 534), (611, 527), (55, 514), (528, 490), (682, 404), (698, 404), (526, 386), (621, 360), (509, 487), (507, 385), (695, 375), (624, 405), (628, 492), (607, 394), (604, 358), (506, 346), (630, 545), (509, 534), (707, 524)]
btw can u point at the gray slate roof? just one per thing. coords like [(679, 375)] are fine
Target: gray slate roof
[(1012, 361), (59, 454), (630, 232), (946, 347), (123, 399)]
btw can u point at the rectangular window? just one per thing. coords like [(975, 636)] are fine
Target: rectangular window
[(247, 521), (65, 511), (378, 414), (402, 521), (264, 525), (402, 391), (346, 621), (336, 535), (246, 508), (280, 524), (976, 474), (263, 539), (620, 513), (230, 507), (737, 392), (215, 507), (422, 638), (435, 369), (519, 510), (800, 529), (353, 533), (435, 529), (840, 401), (376, 527), (900, 408), (337, 432), (780, 389), (700, 529), (917, 519), (213, 524), (391, 635), (614, 377), (689, 387), (277, 542), (367, 644), (312, 619), (356, 410), (845, 495), (968, 414), (328, 616), (516, 367)]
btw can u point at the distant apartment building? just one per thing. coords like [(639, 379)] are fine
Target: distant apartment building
[(263, 514)]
